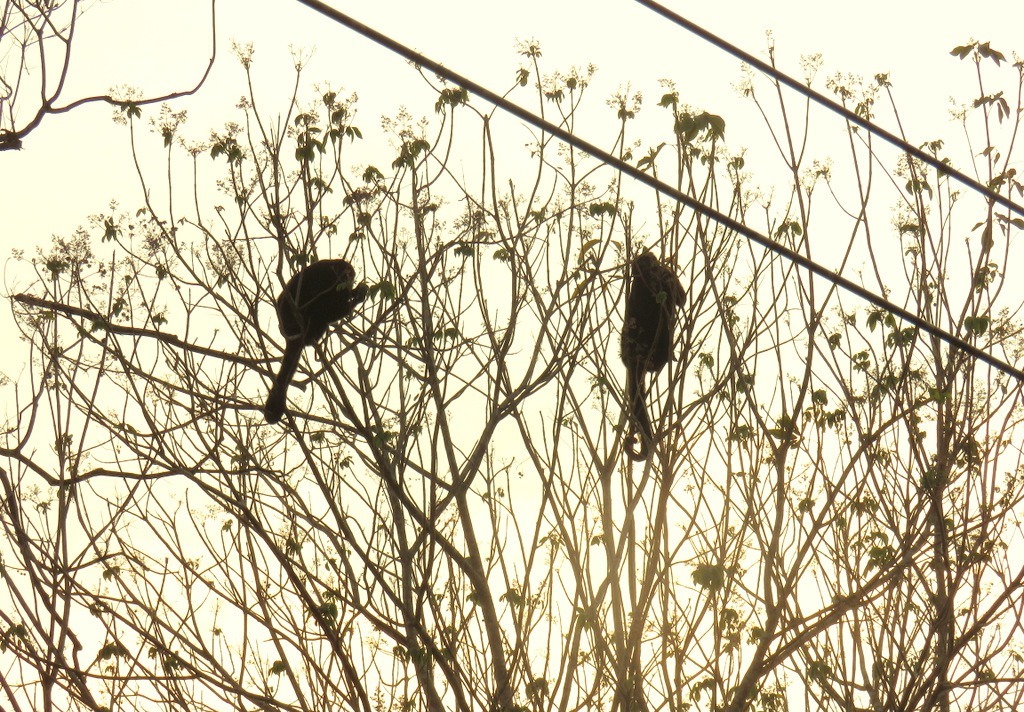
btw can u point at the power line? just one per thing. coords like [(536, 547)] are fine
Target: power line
[(833, 106), (663, 188)]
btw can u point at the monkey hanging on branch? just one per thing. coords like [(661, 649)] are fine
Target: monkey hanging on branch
[(314, 298), (654, 294)]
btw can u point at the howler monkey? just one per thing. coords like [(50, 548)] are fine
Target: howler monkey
[(654, 294), (315, 297)]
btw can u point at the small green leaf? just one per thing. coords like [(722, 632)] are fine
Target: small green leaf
[(819, 671), (977, 325), (328, 609), (716, 124), (962, 51), (709, 576)]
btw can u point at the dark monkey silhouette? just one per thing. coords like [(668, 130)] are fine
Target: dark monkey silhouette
[(314, 298), (650, 319)]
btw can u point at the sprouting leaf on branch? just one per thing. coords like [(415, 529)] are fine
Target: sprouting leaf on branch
[(709, 576), (410, 151), (976, 325), (689, 126), (605, 208), (648, 160), (1002, 109), (452, 98), (130, 109), (980, 50)]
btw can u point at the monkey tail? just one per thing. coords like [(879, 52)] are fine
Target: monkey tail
[(274, 409), (640, 422)]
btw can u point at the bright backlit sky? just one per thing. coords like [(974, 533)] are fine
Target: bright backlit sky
[(74, 164)]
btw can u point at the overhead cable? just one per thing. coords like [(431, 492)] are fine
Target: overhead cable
[(834, 106), (662, 187)]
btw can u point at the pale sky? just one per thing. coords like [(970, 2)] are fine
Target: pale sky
[(74, 164)]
